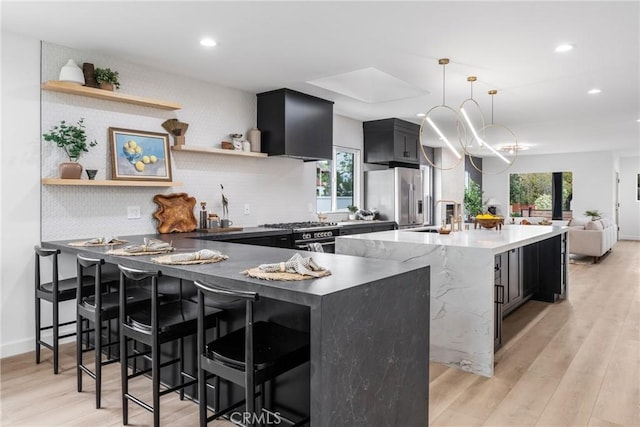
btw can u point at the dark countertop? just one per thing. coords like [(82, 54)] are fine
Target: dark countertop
[(347, 271)]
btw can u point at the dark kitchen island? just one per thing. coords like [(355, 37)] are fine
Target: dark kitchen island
[(367, 321)]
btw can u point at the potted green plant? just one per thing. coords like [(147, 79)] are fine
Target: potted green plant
[(352, 209), (594, 214), (73, 140), (107, 79)]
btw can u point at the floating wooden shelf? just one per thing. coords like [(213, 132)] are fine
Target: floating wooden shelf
[(91, 92), (110, 183), (206, 150)]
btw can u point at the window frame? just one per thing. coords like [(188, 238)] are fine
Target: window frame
[(357, 178)]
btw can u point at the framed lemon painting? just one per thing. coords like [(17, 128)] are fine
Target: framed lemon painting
[(139, 155)]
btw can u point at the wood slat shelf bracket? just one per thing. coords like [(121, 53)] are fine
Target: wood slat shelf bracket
[(206, 150), (110, 183), (75, 89)]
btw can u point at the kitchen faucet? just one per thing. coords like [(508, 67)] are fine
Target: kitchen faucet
[(454, 218)]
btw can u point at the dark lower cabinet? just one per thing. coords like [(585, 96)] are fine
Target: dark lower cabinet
[(536, 271), (552, 259), (509, 277)]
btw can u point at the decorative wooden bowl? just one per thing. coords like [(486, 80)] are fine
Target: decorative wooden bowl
[(489, 223)]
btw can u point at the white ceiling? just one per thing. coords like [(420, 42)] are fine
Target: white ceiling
[(509, 45)]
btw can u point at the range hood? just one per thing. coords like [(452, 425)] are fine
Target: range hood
[(295, 124)]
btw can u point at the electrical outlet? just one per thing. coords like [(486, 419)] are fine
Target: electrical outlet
[(133, 212), (247, 209)]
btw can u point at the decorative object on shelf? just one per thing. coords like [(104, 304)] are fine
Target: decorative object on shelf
[(139, 155), (442, 128), (89, 73), (175, 213), (226, 145), (91, 173), (238, 141), (107, 79), (71, 73), (225, 223), (254, 139), (73, 140), (594, 214), (246, 146), (176, 128)]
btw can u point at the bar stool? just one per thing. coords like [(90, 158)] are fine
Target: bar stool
[(152, 325), (54, 292), (249, 356), (97, 306)]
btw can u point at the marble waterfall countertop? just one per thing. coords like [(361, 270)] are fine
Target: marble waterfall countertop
[(462, 282)]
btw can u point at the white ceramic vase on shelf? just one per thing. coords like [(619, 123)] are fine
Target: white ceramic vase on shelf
[(71, 73), (254, 138)]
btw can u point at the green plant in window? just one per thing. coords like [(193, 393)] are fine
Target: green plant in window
[(352, 208), (473, 199)]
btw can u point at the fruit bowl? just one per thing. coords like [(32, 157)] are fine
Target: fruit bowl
[(489, 222)]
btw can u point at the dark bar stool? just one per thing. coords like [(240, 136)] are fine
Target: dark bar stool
[(154, 324), (97, 306), (248, 357), (54, 292)]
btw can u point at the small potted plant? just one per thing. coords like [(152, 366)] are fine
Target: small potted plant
[(352, 210), (594, 214), (73, 140), (107, 79)]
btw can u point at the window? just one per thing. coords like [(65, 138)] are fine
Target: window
[(338, 180), (545, 195)]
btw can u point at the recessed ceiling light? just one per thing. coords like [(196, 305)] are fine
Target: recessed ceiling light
[(421, 114), (208, 42), (594, 91), (566, 47)]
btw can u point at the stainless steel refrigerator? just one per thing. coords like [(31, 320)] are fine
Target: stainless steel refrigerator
[(397, 195)]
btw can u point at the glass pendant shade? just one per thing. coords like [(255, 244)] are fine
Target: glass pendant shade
[(71, 73)]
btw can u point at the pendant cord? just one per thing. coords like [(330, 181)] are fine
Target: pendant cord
[(443, 86)]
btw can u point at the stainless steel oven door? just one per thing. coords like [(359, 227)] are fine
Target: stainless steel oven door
[(328, 247)]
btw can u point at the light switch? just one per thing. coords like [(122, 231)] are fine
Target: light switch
[(133, 212)]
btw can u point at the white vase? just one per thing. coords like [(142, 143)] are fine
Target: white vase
[(71, 73), (254, 138)]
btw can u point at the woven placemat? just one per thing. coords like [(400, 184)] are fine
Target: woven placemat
[(166, 261), (259, 274), (122, 252), (86, 243)]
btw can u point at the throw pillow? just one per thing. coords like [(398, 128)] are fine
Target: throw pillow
[(580, 220)]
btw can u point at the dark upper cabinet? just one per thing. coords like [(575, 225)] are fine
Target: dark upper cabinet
[(295, 124), (391, 141)]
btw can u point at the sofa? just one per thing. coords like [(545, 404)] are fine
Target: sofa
[(592, 237)]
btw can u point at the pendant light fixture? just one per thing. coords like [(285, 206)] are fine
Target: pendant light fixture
[(443, 126), (493, 132), (471, 111)]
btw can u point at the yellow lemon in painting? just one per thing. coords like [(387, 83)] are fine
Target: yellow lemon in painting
[(132, 143), (153, 158), (138, 149), (145, 160), (139, 166)]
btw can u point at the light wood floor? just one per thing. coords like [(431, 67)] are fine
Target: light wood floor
[(575, 363)]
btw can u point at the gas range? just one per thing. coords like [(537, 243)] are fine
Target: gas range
[(307, 232)]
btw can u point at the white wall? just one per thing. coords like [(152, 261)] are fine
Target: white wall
[(594, 183), (629, 203), (20, 190)]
